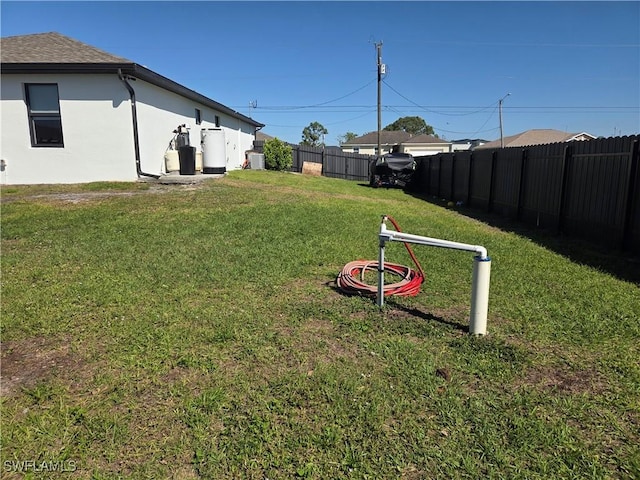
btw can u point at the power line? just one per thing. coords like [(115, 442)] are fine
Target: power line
[(299, 107), (475, 109), (326, 124), (433, 111)]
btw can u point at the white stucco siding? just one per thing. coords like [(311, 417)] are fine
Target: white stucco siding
[(421, 150), (161, 111), (96, 128), (368, 149)]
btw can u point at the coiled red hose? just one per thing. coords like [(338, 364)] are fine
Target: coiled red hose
[(409, 285)]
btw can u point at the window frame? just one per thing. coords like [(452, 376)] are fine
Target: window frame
[(198, 116), (34, 115)]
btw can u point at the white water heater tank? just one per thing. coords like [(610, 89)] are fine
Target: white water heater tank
[(214, 150)]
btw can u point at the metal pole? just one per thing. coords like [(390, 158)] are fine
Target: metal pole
[(501, 133), (380, 301), (379, 54), (500, 113)]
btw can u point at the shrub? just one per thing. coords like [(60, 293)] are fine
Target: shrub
[(277, 155)]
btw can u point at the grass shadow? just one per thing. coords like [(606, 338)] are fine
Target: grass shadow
[(623, 265), (403, 309), (427, 317)]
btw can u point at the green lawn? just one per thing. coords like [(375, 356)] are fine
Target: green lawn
[(196, 332)]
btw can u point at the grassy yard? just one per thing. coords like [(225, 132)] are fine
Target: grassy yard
[(196, 332)]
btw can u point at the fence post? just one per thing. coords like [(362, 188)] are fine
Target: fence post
[(439, 175), (523, 166), (491, 180), (631, 197), (562, 203), (470, 184), (453, 178)]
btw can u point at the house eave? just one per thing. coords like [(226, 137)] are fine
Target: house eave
[(131, 69)]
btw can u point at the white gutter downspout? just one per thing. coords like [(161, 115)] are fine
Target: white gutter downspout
[(480, 278)]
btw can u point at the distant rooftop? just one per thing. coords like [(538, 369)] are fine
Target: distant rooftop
[(535, 137)]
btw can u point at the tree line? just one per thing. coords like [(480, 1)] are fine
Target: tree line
[(314, 133), (278, 154)]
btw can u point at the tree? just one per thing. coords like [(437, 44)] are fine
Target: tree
[(412, 125), (277, 155), (347, 137), (312, 134)]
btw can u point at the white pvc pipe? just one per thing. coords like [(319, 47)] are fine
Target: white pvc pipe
[(392, 235), (480, 279), (479, 296)]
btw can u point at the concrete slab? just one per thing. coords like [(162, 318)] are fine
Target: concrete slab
[(174, 178)]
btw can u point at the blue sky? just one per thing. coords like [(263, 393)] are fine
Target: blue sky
[(571, 66)]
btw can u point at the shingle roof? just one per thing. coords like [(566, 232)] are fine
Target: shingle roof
[(263, 137), (531, 137), (386, 138), (52, 47), (424, 138), (55, 53)]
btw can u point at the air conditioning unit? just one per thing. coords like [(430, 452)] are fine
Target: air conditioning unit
[(256, 160)]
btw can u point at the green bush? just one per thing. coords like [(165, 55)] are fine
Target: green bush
[(277, 155)]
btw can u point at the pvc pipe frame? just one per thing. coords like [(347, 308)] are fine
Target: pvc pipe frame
[(480, 278)]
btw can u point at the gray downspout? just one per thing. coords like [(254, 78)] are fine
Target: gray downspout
[(134, 115)]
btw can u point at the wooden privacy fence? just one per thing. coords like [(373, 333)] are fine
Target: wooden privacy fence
[(335, 163), (588, 189)]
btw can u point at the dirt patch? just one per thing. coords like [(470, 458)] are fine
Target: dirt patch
[(314, 343), (24, 363), (322, 332), (564, 380), (84, 197)]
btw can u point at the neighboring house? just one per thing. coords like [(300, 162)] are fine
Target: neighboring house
[(72, 113), (263, 137), (368, 144), (397, 141), (537, 137), (422, 145), (466, 144)]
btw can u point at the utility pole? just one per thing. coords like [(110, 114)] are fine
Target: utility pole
[(500, 111), (381, 71)]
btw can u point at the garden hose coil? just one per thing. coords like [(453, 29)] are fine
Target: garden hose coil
[(351, 278)]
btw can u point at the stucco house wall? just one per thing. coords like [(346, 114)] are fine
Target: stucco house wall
[(96, 127), (95, 110), (160, 112), (422, 150), (367, 149)]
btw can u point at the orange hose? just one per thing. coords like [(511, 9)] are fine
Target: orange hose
[(409, 285)]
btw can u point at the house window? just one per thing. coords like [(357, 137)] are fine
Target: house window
[(217, 121), (198, 116), (356, 149), (45, 122)]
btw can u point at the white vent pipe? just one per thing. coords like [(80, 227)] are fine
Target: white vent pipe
[(480, 278)]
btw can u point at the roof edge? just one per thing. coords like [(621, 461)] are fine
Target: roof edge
[(132, 69)]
